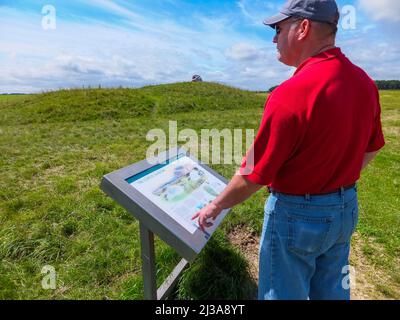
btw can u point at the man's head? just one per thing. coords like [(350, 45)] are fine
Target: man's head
[(303, 27)]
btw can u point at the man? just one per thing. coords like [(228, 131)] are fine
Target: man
[(319, 130)]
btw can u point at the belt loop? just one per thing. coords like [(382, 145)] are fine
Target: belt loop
[(307, 197)]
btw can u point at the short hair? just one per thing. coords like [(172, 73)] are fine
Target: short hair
[(328, 29), (333, 26)]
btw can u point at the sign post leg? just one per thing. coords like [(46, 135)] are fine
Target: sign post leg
[(148, 263), (149, 269)]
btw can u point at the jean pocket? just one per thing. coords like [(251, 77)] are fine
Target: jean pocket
[(307, 235)]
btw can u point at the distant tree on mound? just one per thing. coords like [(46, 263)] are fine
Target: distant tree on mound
[(197, 78), (388, 84), (272, 89)]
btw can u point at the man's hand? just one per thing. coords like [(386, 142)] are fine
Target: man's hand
[(237, 191), (210, 211)]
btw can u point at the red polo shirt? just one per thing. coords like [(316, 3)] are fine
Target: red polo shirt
[(316, 128)]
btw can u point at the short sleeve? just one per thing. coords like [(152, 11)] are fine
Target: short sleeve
[(377, 140), (273, 145)]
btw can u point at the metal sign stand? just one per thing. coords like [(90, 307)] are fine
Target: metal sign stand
[(149, 268), (121, 186)]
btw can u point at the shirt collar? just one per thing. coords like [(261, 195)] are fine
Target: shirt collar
[(325, 55)]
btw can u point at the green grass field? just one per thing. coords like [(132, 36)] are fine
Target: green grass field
[(55, 148), (11, 98)]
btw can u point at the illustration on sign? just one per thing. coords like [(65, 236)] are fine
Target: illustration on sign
[(180, 188)]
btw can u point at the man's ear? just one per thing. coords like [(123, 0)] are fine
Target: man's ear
[(304, 29)]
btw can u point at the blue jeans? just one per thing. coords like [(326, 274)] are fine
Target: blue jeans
[(305, 245)]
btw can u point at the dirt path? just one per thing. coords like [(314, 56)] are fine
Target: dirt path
[(247, 242)]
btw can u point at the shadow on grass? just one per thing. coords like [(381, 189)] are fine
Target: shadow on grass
[(220, 272)]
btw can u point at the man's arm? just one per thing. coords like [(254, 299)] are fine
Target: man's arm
[(368, 157), (238, 190)]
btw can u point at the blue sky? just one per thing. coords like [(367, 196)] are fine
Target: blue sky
[(135, 43)]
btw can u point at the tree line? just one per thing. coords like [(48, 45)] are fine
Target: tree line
[(388, 84), (381, 84)]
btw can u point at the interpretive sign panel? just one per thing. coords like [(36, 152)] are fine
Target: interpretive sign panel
[(164, 193)]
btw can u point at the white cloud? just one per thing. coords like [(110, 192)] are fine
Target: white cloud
[(243, 52), (150, 50), (91, 52), (255, 65), (368, 28), (388, 10), (242, 5), (110, 6), (256, 11), (213, 24), (77, 54), (379, 61)]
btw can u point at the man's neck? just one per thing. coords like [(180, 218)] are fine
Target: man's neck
[(313, 52)]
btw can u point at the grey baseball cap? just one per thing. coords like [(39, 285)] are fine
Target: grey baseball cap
[(318, 10)]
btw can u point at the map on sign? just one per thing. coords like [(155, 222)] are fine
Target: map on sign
[(180, 188)]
